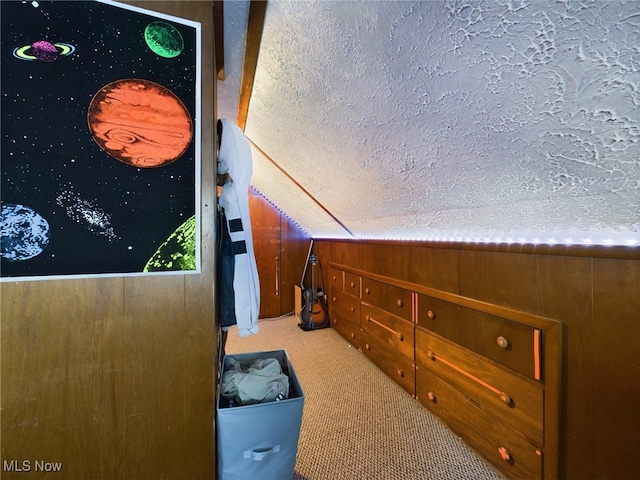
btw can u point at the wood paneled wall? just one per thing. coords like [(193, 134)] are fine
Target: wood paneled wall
[(281, 252), (265, 226), (595, 292), (295, 246), (114, 378)]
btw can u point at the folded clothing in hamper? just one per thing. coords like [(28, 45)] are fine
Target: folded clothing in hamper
[(261, 380), (259, 440)]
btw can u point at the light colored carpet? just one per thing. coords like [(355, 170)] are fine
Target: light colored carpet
[(357, 423)]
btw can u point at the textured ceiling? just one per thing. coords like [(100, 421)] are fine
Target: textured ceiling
[(469, 121)]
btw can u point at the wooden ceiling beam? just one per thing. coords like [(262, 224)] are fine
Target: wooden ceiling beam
[(255, 24), (301, 188), (218, 28)]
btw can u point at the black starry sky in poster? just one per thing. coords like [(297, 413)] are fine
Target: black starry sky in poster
[(87, 212)]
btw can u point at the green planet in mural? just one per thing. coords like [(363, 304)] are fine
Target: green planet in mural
[(164, 39), (178, 252)]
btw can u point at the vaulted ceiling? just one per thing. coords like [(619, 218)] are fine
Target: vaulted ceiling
[(484, 121)]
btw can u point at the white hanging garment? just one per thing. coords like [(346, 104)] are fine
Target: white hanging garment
[(235, 159)]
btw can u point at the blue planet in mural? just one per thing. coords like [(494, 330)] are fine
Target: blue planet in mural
[(24, 233)]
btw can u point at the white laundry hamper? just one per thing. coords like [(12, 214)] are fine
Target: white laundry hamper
[(259, 441)]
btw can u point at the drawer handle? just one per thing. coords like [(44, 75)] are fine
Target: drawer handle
[(503, 396), (353, 309), (431, 396), (400, 303), (502, 342), (431, 314), (335, 320), (353, 285), (334, 299), (400, 373), (397, 334), (335, 278), (353, 335), (367, 291), (505, 454), (367, 347)]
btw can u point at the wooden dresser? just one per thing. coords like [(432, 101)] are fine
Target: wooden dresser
[(491, 374), (344, 304), (386, 313)]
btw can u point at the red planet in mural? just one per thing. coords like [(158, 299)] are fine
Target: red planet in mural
[(140, 123)]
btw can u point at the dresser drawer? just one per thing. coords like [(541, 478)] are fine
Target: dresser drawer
[(514, 400), (346, 304), (512, 344), (393, 299), (336, 278), (511, 453), (399, 367), (352, 284), (394, 331), (346, 328)]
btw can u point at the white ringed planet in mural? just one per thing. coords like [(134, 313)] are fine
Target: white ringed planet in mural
[(43, 51)]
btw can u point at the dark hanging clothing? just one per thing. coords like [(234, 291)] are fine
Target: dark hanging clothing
[(226, 266)]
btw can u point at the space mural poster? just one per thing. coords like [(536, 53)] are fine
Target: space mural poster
[(100, 152)]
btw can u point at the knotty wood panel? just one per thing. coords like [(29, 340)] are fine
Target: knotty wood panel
[(281, 252), (112, 377), (565, 294), (344, 253), (616, 354), (265, 224), (426, 264), (62, 376), (442, 267), (508, 279), (384, 260), (295, 245), (159, 421)]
